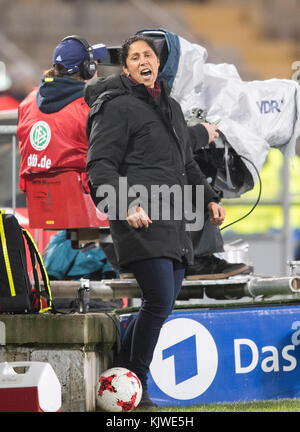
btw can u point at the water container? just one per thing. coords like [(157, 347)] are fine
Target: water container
[(36, 389)]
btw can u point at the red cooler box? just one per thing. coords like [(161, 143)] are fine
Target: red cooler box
[(36, 389)]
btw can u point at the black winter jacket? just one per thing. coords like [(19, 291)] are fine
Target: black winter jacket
[(147, 142)]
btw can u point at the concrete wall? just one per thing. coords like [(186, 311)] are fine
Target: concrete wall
[(78, 347)]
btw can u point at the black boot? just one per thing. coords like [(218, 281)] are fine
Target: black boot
[(146, 402), (125, 273), (211, 267)]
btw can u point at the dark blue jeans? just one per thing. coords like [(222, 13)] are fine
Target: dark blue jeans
[(160, 280)]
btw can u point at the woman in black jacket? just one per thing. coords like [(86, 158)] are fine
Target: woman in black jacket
[(137, 133)]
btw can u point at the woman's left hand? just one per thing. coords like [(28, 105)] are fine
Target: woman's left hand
[(137, 217), (216, 213), (212, 130)]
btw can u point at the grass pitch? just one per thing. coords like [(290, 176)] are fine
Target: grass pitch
[(280, 405)]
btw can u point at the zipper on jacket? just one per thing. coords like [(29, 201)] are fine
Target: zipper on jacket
[(166, 118)]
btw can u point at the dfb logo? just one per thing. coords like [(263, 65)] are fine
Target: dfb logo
[(40, 135), (185, 359)]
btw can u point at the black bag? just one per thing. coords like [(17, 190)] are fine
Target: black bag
[(17, 295)]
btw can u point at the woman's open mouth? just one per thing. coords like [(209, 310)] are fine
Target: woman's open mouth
[(146, 73)]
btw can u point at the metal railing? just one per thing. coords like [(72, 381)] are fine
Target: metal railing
[(11, 130)]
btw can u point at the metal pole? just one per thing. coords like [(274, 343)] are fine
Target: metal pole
[(221, 289), (13, 182), (287, 229), (273, 286)]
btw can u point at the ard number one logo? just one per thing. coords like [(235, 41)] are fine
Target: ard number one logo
[(185, 359)]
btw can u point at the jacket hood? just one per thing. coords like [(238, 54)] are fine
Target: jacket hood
[(183, 69), (55, 93), (97, 86), (170, 68)]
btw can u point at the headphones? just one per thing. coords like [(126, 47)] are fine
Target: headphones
[(88, 67)]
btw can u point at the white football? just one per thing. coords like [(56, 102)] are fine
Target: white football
[(118, 390)]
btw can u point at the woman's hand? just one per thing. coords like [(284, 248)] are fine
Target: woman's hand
[(211, 130), (216, 213), (137, 217)]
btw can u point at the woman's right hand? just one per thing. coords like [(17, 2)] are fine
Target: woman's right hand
[(137, 217)]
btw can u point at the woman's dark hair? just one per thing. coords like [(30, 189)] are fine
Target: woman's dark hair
[(56, 71), (59, 70), (123, 52)]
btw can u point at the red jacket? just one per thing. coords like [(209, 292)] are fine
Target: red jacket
[(53, 141)]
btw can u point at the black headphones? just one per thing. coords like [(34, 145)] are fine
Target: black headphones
[(88, 67)]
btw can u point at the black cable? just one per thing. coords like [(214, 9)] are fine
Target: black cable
[(258, 198), (117, 327)]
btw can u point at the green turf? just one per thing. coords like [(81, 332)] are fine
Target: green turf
[(281, 405)]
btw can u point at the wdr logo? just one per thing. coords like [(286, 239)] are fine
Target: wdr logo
[(269, 106), (185, 359)]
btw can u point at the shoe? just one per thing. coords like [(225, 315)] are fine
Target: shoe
[(125, 274), (211, 267), (146, 402)]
